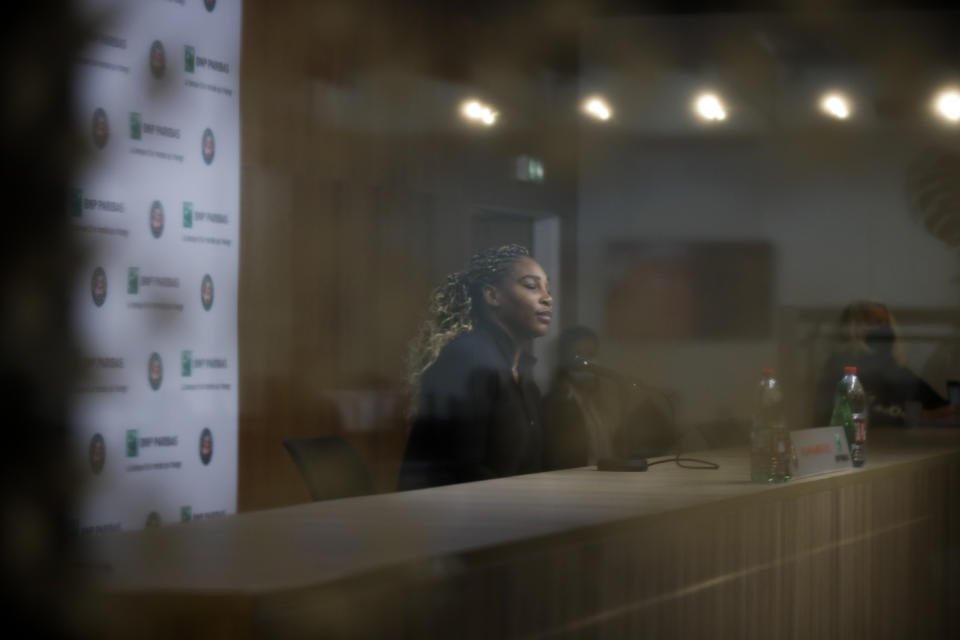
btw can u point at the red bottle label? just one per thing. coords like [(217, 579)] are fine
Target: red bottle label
[(860, 430)]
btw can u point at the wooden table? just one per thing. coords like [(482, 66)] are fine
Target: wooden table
[(670, 552)]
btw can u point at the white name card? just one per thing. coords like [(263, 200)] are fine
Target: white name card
[(819, 450)]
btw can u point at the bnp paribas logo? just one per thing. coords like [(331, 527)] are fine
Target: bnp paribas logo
[(133, 443), (206, 446), (136, 126), (158, 59), (101, 129), (97, 453), (187, 215), (133, 280), (98, 286), (189, 59), (186, 513), (155, 371), (156, 219), (208, 146), (186, 363), (206, 292)]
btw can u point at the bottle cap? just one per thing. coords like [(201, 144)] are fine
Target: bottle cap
[(849, 369)]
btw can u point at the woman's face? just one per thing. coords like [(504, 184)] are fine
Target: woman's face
[(522, 302)]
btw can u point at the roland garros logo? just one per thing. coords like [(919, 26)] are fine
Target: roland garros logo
[(206, 292), (101, 129), (208, 146), (206, 446), (156, 219), (155, 371), (158, 59), (97, 453), (98, 286)]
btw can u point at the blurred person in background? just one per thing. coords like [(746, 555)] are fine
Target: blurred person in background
[(578, 424), (477, 407), (588, 417), (869, 339)]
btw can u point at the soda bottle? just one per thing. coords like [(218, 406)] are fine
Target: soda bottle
[(850, 412), (769, 439)]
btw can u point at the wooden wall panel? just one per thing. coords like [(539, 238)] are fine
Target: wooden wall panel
[(344, 232), (310, 244), (263, 387)]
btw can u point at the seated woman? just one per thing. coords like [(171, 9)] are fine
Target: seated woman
[(587, 419), (869, 341), (477, 407)]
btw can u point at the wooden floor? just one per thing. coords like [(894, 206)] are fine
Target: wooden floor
[(671, 552)]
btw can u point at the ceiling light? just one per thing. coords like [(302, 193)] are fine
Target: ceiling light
[(948, 104), (597, 108), (709, 107), (478, 112), (835, 105)]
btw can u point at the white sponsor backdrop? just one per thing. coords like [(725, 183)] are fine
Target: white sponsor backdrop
[(157, 76)]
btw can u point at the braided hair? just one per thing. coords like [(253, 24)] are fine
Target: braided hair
[(457, 304)]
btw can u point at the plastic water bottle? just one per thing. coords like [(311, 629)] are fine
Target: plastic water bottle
[(850, 412), (769, 439)]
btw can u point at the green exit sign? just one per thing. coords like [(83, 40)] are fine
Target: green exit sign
[(529, 169)]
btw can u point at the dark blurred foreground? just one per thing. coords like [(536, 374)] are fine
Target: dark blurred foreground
[(39, 590)]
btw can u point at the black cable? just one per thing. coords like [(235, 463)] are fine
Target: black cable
[(697, 463), (636, 385)]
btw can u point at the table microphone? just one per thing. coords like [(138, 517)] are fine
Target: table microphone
[(605, 372), (582, 363)]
